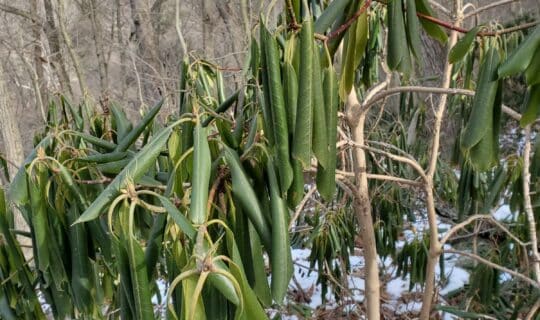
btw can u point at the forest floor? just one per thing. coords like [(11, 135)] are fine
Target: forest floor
[(305, 300)]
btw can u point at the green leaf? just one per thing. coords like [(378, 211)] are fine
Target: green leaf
[(202, 168), (463, 45), (301, 149), (290, 81), (522, 56), (279, 114), (460, 313), (246, 196), (330, 15), (432, 29), (397, 38), (532, 73), (133, 171), (18, 189), (280, 239), (326, 177), (413, 31), (132, 136), (531, 106), (178, 218), (484, 99), (121, 123), (354, 46), (319, 135)]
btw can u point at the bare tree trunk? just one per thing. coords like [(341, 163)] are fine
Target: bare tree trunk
[(208, 27), (41, 94), (528, 207), (69, 46), (121, 45), (362, 207), (226, 15), (57, 58), (11, 137), (147, 49), (435, 247), (100, 52)]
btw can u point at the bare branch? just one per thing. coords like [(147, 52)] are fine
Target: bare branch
[(494, 266), (440, 7), (347, 24), (534, 308), (434, 245), (179, 29), (396, 90), (485, 217), (301, 206), (397, 180), (527, 204), (20, 13), (415, 165), (479, 34), (510, 112), (487, 7)]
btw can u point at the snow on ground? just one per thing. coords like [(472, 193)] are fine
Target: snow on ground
[(396, 288), (503, 213)]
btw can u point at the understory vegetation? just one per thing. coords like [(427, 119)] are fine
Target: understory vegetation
[(332, 143)]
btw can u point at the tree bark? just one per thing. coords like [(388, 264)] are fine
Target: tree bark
[(435, 248), (69, 46), (120, 39), (57, 58), (147, 48), (362, 208), (11, 137), (41, 90), (100, 52)]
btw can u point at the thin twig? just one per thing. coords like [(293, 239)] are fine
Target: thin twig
[(397, 180), (511, 112), (183, 45), (349, 22), (415, 165), (493, 33), (527, 204), (294, 23), (301, 206), (396, 90), (485, 217), (494, 266), (441, 7), (97, 181), (487, 7), (534, 308)]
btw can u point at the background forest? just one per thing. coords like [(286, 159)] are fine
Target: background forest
[(176, 159)]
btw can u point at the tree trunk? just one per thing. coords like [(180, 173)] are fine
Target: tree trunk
[(146, 48), (362, 208), (100, 52), (14, 152), (435, 248), (121, 44), (57, 58), (41, 95), (69, 46)]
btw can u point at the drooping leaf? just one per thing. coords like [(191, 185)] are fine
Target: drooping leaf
[(397, 38), (531, 106), (463, 45), (432, 29), (522, 55), (301, 149), (354, 46)]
